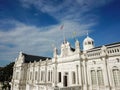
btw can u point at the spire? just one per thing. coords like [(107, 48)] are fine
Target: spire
[(20, 53), (55, 52), (77, 46), (87, 34), (64, 40)]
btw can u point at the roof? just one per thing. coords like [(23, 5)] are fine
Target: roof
[(32, 58), (112, 44), (72, 49), (107, 45), (88, 39)]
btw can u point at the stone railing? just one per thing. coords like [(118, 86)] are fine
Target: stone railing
[(69, 88)]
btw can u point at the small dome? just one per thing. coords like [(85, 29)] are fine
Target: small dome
[(88, 40), (88, 43)]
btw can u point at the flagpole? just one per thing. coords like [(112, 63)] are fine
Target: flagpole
[(61, 28), (74, 35), (63, 36)]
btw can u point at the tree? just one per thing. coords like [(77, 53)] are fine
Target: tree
[(6, 72)]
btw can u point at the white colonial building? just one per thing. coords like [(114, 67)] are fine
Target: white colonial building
[(93, 68)]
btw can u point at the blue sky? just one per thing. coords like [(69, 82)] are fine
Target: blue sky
[(33, 26)]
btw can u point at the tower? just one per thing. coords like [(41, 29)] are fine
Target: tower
[(88, 43), (77, 46)]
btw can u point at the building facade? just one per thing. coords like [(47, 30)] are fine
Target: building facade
[(93, 68)]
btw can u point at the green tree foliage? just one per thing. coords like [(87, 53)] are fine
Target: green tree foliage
[(6, 72)]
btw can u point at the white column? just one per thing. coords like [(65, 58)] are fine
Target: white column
[(80, 75), (110, 76), (46, 76), (20, 73), (77, 75), (89, 78), (50, 75), (53, 79), (14, 73), (39, 72), (56, 74), (27, 74), (33, 74), (107, 85), (97, 80), (85, 75)]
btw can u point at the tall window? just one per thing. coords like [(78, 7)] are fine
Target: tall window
[(17, 75), (30, 75), (93, 77), (73, 78), (35, 75), (44, 78), (116, 76), (100, 77), (41, 75), (59, 76), (49, 76)]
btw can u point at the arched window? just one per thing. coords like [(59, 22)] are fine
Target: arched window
[(118, 60), (42, 75), (110, 51), (89, 42), (100, 77), (35, 75), (92, 43), (30, 75), (113, 51), (117, 50), (116, 76), (85, 43), (93, 77), (73, 77), (97, 77), (48, 75)]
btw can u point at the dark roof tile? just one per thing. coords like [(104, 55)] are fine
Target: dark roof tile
[(32, 58)]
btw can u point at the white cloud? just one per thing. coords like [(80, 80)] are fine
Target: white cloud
[(36, 40), (66, 9)]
